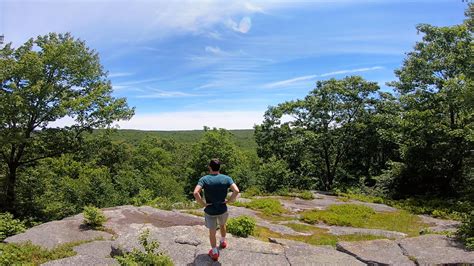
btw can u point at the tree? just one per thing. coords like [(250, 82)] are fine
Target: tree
[(320, 128), (215, 143), (46, 79), (436, 88)]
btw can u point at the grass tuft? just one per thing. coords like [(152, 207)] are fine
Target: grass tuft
[(365, 217), (268, 206), (30, 254), (318, 236)]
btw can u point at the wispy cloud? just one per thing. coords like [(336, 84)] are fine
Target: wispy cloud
[(288, 81), (243, 27), (215, 50), (348, 71), (120, 74), (296, 80), (156, 93)]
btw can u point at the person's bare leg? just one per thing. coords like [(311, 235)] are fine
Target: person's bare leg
[(223, 231), (212, 237)]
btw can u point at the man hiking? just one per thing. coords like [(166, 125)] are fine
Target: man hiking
[(216, 186)]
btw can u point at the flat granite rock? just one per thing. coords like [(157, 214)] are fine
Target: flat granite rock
[(440, 225), (230, 256), (98, 249), (120, 218), (322, 201), (345, 230), (82, 260), (52, 234), (375, 252), (436, 249), (298, 253)]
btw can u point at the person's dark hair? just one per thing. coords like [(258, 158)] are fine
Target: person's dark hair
[(215, 164)]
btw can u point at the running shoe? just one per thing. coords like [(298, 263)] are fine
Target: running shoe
[(223, 244), (214, 256)]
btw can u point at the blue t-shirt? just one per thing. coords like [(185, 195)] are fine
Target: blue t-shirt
[(215, 191)]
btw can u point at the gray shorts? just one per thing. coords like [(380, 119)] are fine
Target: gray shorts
[(212, 220)]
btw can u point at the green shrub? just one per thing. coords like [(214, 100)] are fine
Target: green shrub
[(93, 217), (242, 226), (307, 195), (149, 257), (143, 197), (10, 226), (274, 175), (465, 233), (252, 191), (267, 206)]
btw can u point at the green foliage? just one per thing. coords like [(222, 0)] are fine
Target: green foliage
[(10, 226), (218, 143), (144, 196), (365, 217), (435, 135), (242, 226), (311, 143), (43, 80), (466, 231), (149, 257), (243, 138), (93, 217), (252, 191), (29, 254), (303, 194), (268, 206), (362, 197), (274, 175)]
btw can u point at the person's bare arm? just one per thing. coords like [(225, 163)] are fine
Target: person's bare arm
[(235, 193), (197, 196)]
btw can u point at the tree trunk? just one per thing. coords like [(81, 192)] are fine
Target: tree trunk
[(10, 183)]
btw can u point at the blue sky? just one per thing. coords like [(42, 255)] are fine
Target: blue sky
[(186, 64)]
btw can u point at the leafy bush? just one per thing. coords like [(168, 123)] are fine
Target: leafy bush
[(149, 257), (10, 226), (307, 195), (274, 175), (466, 231), (267, 206), (93, 217), (252, 191), (143, 197), (242, 226)]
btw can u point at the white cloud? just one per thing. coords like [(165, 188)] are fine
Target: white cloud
[(124, 21), (119, 74), (193, 120), (347, 71), (166, 94), (297, 80), (243, 27), (215, 50), (288, 81)]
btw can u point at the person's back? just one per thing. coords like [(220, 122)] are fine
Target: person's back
[(215, 186)]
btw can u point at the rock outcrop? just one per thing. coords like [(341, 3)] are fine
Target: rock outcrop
[(184, 238)]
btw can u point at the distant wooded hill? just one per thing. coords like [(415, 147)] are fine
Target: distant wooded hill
[(244, 138)]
